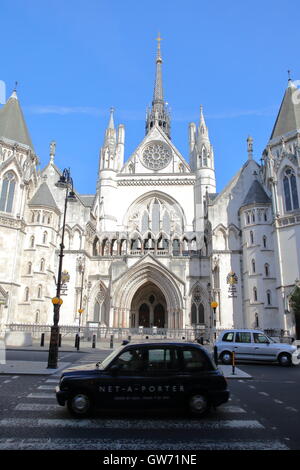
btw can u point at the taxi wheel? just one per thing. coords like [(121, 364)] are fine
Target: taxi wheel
[(284, 359), (80, 405), (198, 405), (226, 358)]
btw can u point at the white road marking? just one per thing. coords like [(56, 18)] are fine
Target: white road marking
[(36, 407), (264, 393), (41, 395), (128, 444), (232, 409), (46, 387), (252, 386), (6, 381), (290, 408), (55, 381), (129, 424), (278, 401)]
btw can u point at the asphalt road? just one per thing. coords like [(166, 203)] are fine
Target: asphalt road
[(263, 414)]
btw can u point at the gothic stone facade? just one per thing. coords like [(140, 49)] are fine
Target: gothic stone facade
[(155, 244)]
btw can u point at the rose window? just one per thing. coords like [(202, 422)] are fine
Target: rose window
[(156, 156)]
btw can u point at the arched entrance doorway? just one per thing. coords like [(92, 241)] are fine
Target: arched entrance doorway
[(148, 307)]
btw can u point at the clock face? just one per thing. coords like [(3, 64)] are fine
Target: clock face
[(156, 156)]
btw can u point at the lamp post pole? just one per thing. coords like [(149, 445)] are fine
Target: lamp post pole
[(81, 267), (65, 181)]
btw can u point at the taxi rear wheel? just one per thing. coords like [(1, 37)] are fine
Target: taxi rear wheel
[(80, 404), (198, 404)]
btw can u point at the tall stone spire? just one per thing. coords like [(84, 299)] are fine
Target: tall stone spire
[(158, 114)]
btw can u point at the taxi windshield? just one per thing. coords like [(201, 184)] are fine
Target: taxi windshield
[(109, 358)]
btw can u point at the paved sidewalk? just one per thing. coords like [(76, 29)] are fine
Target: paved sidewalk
[(30, 368)]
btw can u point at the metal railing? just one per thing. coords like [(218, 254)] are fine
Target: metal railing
[(102, 332)]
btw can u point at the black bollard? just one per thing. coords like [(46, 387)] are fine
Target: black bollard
[(94, 341), (59, 340), (216, 355), (43, 339), (129, 338), (78, 342), (111, 341)]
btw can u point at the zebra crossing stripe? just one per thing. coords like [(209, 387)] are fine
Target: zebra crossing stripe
[(35, 407), (42, 395), (46, 387), (137, 444), (129, 424)]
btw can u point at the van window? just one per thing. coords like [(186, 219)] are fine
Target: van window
[(228, 336), (243, 337), (259, 338)]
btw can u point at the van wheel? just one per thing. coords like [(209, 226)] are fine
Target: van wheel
[(284, 359), (80, 405), (198, 405), (226, 358)]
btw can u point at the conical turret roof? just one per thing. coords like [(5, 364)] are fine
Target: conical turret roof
[(288, 118), (256, 195), (12, 122)]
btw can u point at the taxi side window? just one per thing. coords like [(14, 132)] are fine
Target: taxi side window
[(131, 360), (243, 337), (228, 337), (162, 359), (194, 360)]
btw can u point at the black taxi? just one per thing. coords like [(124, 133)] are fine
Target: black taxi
[(145, 375)]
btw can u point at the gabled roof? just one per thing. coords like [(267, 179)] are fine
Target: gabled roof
[(256, 195), (288, 118), (12, 122), (43, 197)]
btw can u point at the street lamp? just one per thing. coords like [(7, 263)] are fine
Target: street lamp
[(214, 305), (65, 182), (81, 269)]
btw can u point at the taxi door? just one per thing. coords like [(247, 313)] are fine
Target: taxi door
[(163, 384), (122, 383)]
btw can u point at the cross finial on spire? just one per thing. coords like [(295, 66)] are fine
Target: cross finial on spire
[(16, 84), (289, 74)]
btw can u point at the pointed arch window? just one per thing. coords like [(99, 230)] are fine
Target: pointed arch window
[(269, 297), (32, 239), (29, 267), (264, 241), (251, 238), (253, 266), (290, 190), (197, 310), (267, 270), (254, 294), (39, 292), (42, 265), (45, 237), (26, 294), (7, 192)]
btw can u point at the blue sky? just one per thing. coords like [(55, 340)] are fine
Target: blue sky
[(74, 59)]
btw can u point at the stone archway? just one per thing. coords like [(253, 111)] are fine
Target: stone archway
[(135, 284), (148, 307)]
